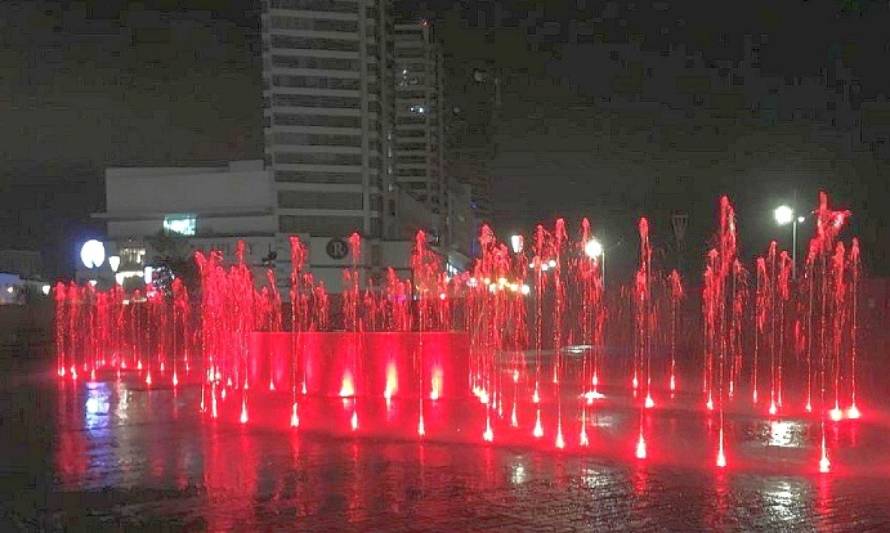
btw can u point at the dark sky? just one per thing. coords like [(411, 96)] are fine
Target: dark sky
[(87, 85)]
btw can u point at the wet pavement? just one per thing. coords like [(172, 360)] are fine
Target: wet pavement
[(130, 458)]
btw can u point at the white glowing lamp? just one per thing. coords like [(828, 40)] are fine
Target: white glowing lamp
[(593, 248), (516, 243), (784, 215), (92, 253), (114, 261)]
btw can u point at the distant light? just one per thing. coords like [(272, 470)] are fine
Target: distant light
[(92, 254), (10, 289), (545, 267), (783, 215), (516, 243), (45, 290), (114, 261), (93, 282), (801, 220), (180, 224), (552, 263), (147, 274), (593, 248), (525, 289)]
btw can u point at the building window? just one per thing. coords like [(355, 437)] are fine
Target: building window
[(180, 224), (132, 256)]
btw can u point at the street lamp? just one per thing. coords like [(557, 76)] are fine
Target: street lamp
[(516, 243), (784, 215), (594, 249)]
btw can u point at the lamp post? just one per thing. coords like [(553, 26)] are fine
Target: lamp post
[(92, 255), (594, 249), (785, 215), (516, 243)]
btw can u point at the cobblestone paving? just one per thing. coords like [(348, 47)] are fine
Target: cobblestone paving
[(154, 472)]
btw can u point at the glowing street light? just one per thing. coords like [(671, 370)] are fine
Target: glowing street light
[(594, 249), (92, 254), (784, 215), (516, 243)]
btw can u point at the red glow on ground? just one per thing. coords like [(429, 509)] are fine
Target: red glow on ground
[(392, 381), (294, 418), (436, 391), (347, 389), (488, 434), (824, 464), (538, 432), (641, 448), (836, 414), (483, 397)]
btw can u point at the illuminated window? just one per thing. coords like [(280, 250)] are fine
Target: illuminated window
[(132, 256), (180, 224)]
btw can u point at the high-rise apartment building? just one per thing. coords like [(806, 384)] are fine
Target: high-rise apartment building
[(419, 114), (353, 132), (327, 84)]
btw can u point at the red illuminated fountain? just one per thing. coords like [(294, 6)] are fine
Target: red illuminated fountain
[(525, 344)]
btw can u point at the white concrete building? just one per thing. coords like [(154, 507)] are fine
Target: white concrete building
[(212, 207)]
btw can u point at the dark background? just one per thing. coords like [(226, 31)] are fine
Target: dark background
[(86, 85)]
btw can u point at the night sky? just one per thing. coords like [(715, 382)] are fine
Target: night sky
[(88, 85)]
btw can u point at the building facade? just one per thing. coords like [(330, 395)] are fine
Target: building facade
[(205, 208), (419, 116), (327, 71)]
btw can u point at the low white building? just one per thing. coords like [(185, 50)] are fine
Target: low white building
[(213, 207)]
